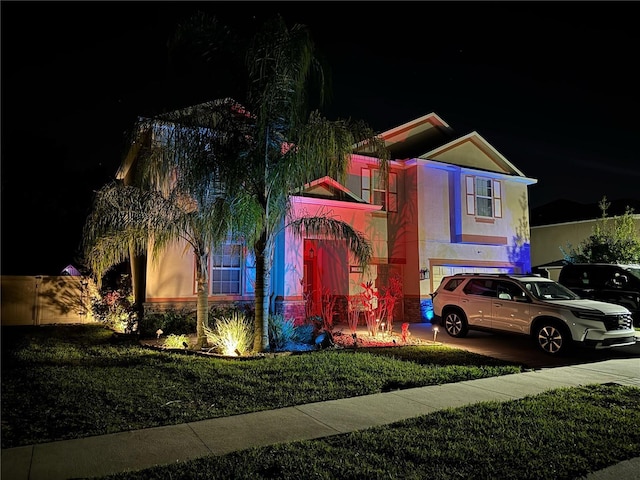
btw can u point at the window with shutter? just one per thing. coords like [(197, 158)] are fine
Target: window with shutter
[(484, 197)]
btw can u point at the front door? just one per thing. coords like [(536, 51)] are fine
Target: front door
[(326, 267), (311, 290)]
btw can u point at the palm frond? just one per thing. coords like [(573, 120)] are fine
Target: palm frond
[(327, 227)]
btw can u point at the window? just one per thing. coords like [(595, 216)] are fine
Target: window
[(375, 192), (480, 286), (484, 197), (509, 291), (226, 274), (452, 284)]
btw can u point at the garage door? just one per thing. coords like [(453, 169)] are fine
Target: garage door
[(441, 271)]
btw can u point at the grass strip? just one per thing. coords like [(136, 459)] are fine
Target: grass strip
[(560, 434)]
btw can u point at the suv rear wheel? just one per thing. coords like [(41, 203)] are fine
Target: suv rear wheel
[(551, 338), (455, 323)]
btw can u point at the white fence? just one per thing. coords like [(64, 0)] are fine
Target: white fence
[(44, 300)]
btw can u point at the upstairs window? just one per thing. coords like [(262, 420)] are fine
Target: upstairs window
[(226, 272), (374, 190), (484, 197)]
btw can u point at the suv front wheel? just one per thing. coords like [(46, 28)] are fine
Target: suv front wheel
[(455, 324), (551, 338)]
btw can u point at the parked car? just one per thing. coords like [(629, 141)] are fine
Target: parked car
[(554, 316), (606, 282)]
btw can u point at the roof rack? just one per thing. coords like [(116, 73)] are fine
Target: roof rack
[(498, 274)]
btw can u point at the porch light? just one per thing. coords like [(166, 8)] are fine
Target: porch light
[(424, 274)]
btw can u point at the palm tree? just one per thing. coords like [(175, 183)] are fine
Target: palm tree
[(287, 146), (227, 167), (170, 195)]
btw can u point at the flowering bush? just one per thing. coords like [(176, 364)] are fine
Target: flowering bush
[(369, 299), (113, 304)]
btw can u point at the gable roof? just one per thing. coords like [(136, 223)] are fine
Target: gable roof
[(430, 138), (328, 188), (473, 151), (413, 138)]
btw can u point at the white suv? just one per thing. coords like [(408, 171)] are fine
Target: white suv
[(532, 305)]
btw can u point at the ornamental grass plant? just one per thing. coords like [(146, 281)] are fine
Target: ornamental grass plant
[(231, 335)]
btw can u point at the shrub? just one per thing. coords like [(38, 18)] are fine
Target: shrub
[(176, 341), (221, 310), (113, 307), (281, 332), (317, 322), (304, 334), (231, 335), (176, 322)]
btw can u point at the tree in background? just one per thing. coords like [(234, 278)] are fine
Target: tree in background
[(614, 240)]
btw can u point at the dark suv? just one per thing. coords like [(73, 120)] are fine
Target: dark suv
[(551, 314), (605, 282)]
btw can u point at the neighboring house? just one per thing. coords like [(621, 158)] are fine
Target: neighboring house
[(451, 204), (549, 240)]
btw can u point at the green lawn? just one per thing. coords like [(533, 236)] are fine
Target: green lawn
[(73, 381), (562, 434)]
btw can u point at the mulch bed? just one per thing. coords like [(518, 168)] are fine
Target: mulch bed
[(341, 339)]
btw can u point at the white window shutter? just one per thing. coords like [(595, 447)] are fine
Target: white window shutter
[(497, 199), (471, 197)]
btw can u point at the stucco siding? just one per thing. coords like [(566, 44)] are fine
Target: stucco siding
[(467, 154), (332, 254), (547, 240), (447, 235), (171, 274)]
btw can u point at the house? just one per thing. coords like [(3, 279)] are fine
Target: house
[(451, 204), (564, 224)]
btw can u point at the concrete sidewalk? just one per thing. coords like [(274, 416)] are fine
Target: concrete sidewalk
[(134, 450)]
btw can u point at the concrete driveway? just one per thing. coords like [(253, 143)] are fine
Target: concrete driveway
[(519, 348)]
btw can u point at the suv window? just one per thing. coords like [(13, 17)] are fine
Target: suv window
[(481, 286), (509, 291), (452, 284), (550, 291)]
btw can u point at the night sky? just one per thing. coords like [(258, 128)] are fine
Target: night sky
[(551, 85)]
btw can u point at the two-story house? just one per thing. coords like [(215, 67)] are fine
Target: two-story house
[(450, 204)]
